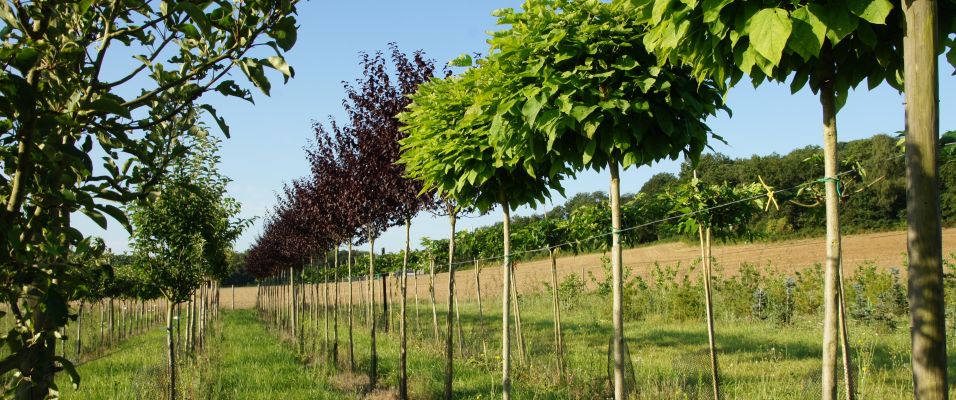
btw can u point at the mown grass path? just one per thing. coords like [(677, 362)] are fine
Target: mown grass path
[(243, 360), (250, 363)]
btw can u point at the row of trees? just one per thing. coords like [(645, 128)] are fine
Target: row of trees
[(571, 85), (81, 81), (355, 192), (574, 85)]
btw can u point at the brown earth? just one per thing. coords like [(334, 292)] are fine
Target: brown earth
[(885, 249)]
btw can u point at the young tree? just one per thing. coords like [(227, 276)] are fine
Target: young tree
[(704, 210), (450, 150), (588, 95), (61, 102), (183, 237), (832, 46)]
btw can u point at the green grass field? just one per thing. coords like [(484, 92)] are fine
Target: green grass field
[(759, 360)]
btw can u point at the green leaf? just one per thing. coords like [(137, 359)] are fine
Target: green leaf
[(589, 150), (282, 66), (463, 60), (117, 214), (712, 9), (70, 370), (873, 11), (769, 31), (531, 108), (196, 15), (109, 105), (285, 33), (95, 216), (808, 33), (219, 120), (839, 21), (581, 112)]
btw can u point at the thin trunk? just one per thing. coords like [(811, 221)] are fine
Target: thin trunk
[(924, 236), (461, 339), (505, 300), (431, 290), (403, 334), (556, 306), (519, 333), (170, 350), (845, 344), (351, 345), (418, 314), (831, 307), (335, 310), (617, 279), (481, 317), (449, 338), (705, 258), (385, 303), (373, 363), (325, 304), (79, 337)]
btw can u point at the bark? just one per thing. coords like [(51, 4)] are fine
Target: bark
[(831, 296), (79, 331), (481, 317), (449, 338), (519, 333), (505, 299), (335, 310), (170, 350), (705, 259), (402, 328), (431, 290), (617, 281), (373, 364), (924, 236), (351, 344), (556, 306)]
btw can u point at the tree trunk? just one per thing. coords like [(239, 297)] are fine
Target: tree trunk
[(481, 317), (373, 364), (705, 258), (845, 343), (431, 290), (418, 314), (556, 306), (505, 300), (170, 350), (449, 321), (335, 310), (293, 315), (832, 268), (461, 339), (79, 331), (617, 281), (351, 345), (325, 304), (403, 334), (924, 236), (519, 332), (385, 303)]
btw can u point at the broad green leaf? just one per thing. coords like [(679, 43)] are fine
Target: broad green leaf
[(110, 105), (282, 66), (219, 120), (839, 21), (712, 9), (463, 60), (581, 112), (769, 31), (873, 11), (808, 33)]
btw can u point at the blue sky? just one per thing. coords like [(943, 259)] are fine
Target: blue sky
[(266, 148)]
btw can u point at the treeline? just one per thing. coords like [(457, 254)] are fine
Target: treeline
[(876, 200)]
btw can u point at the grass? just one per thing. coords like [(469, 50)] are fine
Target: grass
[(242, 361), (758, 359)]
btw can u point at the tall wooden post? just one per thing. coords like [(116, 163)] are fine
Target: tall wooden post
[(924, 234)]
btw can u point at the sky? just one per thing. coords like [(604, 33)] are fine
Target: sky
[(268, 138)]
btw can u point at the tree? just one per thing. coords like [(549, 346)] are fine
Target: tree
[(704, 209), (449, 149), (61, 102), (588, 95), (832, 46), (183, 237)]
